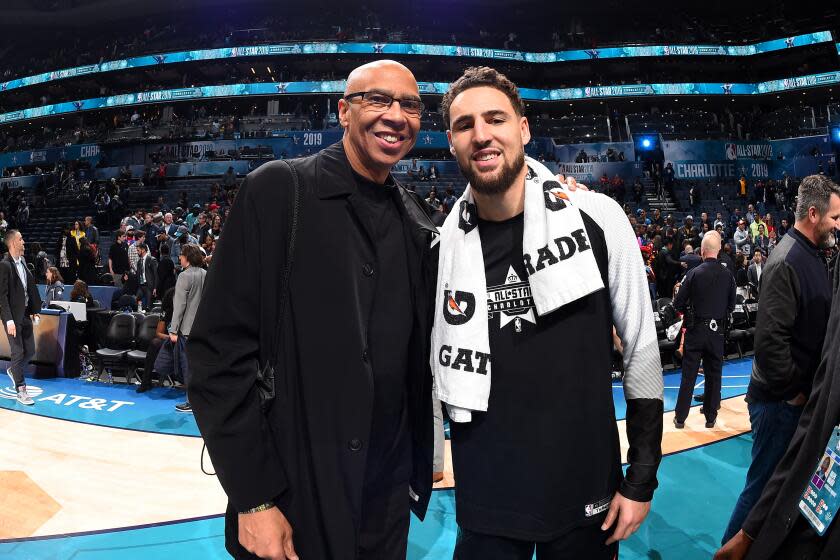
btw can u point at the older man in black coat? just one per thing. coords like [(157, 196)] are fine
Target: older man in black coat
[(345, 447)]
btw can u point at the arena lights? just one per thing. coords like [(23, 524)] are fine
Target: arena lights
[(834, 136), (646, 142)]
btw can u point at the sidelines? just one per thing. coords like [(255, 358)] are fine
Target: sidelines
[(737, 369), (101, 404)]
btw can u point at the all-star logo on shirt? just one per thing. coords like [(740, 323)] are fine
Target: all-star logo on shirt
[(512, 301)]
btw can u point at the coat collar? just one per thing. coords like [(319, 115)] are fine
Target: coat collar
[(334, 174), (334, 178)]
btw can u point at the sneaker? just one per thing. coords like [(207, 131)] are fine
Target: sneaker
[(184, 407), (23, 397), (12, 378), (142, 388), (711, 424), (678, 425)]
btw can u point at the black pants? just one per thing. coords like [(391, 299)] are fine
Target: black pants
[(580, 543), (383, 534), (385, 518), (151, 355), (701, 342)]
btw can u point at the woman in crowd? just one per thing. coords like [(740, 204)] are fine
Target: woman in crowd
[(741, 278), (432, 199), (769, 224), (77, 233), (216, 231), (81, 294), (87, 263), (161, 338), (55, 286), (67, 253)]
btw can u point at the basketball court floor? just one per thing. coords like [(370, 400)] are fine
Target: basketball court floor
[(96, 471)]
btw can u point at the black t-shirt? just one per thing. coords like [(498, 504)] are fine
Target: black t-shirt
[(545, 456), (119, 257), (390, 328)]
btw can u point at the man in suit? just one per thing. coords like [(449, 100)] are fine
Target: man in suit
[(754, 271), (19, 305), (146, 275)]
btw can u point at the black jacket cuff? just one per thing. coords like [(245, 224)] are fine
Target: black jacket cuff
[(644, 433)]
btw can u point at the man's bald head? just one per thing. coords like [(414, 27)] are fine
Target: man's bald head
[(376, 134), (362, 76), (710, 246)]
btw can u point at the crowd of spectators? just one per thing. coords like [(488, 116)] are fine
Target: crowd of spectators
[(213, 120), (412, 23), (160, 230), (750, 231)]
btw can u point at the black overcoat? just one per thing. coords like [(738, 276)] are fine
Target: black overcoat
[(308, 452), (774, 515)]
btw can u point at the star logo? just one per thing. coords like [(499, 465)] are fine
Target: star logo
[(513, 300), (378, 48), (281, 87)]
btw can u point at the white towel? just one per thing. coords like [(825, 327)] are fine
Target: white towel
[(561, 268)]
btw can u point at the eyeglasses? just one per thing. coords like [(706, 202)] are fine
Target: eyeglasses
[(379, 101)]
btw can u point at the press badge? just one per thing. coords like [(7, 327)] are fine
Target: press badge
[(820, 502)]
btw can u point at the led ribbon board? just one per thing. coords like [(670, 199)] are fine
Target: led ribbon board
[(419, 49), (431, 88)]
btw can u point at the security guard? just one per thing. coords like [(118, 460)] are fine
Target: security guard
[(706, 298)]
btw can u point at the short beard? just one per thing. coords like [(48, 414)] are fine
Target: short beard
[(828, 240), (498, 185)]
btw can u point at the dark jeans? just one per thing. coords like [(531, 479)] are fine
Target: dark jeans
[(22, 347), (144, 292), (172, 360), (701, 342), (773, 424), (579, 543)]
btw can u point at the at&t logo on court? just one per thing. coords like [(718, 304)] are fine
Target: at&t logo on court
[(11, 394)]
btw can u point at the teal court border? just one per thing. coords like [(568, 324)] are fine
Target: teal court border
[(697, 490)]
